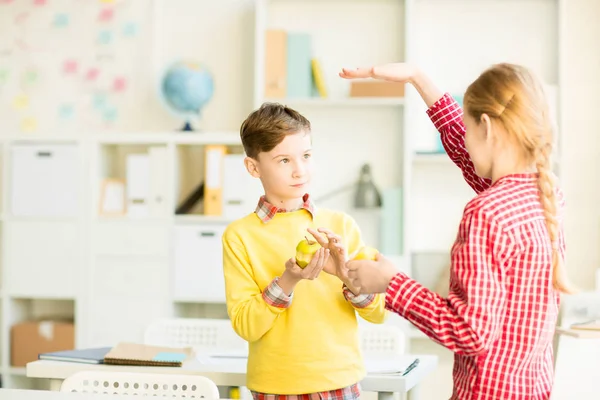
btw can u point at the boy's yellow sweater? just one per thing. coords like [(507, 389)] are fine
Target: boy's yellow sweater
[(311, 346)]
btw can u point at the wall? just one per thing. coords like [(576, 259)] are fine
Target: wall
[(581, 145)]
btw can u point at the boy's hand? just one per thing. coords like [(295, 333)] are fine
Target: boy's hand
[(338, 255), (294, 274)]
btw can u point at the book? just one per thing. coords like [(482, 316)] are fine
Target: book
[(390, 366), (593, 325), (126, 353), (299, 74), (85, 356), (317, 78)]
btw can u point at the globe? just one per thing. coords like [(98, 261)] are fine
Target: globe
[(187, 87)]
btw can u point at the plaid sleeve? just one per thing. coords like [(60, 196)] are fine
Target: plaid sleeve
[(358, 301), (274, 295)]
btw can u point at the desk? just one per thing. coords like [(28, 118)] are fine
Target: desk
[(20, 394), (232, 372)]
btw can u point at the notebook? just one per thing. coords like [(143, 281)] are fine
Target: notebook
[(126, 353), (85, 356), (593, 325), (389, 365)]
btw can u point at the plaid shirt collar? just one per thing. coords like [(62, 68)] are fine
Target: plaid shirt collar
[(266, 211)]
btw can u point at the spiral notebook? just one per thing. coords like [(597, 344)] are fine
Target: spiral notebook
[(141, 354)]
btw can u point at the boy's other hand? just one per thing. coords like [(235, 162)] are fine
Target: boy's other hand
[(294, 274), (338, 254)]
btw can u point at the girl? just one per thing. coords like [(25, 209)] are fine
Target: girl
[(507, 261)]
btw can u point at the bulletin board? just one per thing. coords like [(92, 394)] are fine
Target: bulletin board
[(71, 65)]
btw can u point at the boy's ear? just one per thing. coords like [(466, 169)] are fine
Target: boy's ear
[(252, 166)]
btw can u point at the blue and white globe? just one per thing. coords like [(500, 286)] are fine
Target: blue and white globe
[(187, 87)]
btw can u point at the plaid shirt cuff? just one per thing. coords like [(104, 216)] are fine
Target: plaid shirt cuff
[(274, 295), (358, 301)]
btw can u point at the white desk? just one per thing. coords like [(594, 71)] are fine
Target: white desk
[(232, 372), (20, 394)]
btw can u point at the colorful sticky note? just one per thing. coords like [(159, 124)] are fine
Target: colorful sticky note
[(104, 37), (99, 101), (107, 1), (65, 111), (4, 73), (106, 15), (29, 124), (20, 101), (39, 2), (92, 74), (119, 84), (61, 20), (70, 67), (110, 114), (129, 29), (169, 356), (29, 77), (5, 1), (21, 17)]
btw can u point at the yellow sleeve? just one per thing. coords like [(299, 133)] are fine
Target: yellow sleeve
[(370, 307), (251, 314)]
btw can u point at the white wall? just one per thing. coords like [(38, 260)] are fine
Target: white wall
[(581, 145)]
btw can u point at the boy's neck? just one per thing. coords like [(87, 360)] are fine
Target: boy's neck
[(287, 205)]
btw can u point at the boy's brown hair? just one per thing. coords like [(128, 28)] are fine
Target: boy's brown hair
[(266, 127)]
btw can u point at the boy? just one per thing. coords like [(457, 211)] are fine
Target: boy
[(301, 326)]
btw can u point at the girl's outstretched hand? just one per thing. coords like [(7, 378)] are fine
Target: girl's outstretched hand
[(396, 72)]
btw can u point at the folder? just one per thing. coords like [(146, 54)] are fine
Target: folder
[(299, 67), (213, 179), (158, 187), (84, 356), (138, 185), (241, 191), (275, 63)]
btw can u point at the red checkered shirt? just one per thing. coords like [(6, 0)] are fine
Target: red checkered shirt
[(275, 296), (501, 310)]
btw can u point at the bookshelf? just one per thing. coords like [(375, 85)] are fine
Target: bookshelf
[(95, 268)]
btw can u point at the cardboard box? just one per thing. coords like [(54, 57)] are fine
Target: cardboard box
[(28, 339), (373, 88)]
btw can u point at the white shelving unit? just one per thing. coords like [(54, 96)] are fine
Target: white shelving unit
[(113, 275)]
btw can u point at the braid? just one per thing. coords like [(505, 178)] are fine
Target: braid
[(548, 200)]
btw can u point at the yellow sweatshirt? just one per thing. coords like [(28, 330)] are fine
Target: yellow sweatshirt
[(312, 345)]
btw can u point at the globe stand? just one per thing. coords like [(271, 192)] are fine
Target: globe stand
[(187, 127)]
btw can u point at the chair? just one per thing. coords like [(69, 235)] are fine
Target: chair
[(211, 335), (145, 384), (205, 335), (381, 339)]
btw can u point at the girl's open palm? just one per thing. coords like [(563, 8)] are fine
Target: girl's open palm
[(396, 72)]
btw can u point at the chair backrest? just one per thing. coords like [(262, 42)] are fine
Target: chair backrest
[(200, 333), (132, 383), (381, 339)]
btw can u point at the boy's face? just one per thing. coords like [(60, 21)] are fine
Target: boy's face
[(285, 171)]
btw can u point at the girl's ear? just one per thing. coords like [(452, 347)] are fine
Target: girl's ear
[(252, 166), (487, 125)]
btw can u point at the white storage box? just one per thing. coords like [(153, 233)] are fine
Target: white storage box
[(198, 254), (44, 180)]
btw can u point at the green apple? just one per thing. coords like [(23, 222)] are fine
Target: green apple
[(366, 253), (305, 250)]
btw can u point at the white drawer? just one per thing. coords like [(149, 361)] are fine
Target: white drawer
[(198, 261), (131, 238)]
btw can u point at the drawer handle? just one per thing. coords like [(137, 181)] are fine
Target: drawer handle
[(44, 154), (207, 234)]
